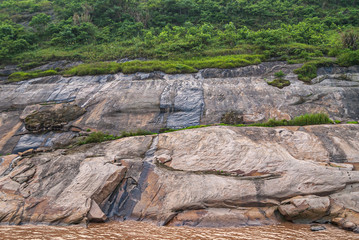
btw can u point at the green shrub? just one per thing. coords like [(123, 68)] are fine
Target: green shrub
[(337, 121), (311, 119), (309, 70), (349, 58), (279, 74), (352, 122)]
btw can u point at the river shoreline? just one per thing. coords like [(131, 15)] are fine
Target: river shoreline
[(145, 230)]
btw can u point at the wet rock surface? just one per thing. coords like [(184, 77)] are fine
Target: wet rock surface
[(52, 118), (180, 178)]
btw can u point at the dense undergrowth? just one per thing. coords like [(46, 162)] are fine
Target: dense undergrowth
[(37, 31)]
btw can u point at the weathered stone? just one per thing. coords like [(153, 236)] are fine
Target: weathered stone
[(58, 187), (349, 226), (305, 209), (283, 171), (175, 101), (95, 214), (26, 153), (316, 228)]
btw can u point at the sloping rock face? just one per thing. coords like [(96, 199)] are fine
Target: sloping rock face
[(214, 176), (152, 101)]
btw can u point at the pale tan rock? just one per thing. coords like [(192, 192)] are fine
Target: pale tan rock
[(95, 214), (197, 187), (58, 187), (305, 209), (349, 226), (26, 153)]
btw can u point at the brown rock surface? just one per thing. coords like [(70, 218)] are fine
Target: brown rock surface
[(213, 176), (152, 101)]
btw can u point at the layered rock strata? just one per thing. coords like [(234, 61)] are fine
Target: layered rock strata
[(214, 176), (152, 101)]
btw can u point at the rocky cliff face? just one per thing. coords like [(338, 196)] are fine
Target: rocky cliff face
[(214, 176), (155, 100)]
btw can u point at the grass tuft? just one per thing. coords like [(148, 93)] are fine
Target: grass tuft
[(167, 66), (98, 137), (21, 76), (279, 83)]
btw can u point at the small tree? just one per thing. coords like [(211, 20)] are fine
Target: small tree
[(40, 21)]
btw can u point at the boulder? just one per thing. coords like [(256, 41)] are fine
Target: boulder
[(305, 209)]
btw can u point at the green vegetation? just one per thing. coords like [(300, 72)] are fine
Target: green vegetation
[(279, 81), (279, 74), (309, 70), (303, 120), (337, 121), (167, 130), (20, 76), (183, 66), (349, 58), (97, 137), (37, 31), (306, 119), (352, 122)]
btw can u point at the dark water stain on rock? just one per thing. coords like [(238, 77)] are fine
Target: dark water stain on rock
[(54, 118)]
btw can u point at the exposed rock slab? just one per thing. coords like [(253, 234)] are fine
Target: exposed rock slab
[(156, 100), (214, 176)]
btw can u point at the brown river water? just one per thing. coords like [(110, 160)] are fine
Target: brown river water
[(145, 231)]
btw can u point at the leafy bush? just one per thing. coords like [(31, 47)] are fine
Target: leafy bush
[(279, 74), (309, 70), (352, 122), (349, 58)]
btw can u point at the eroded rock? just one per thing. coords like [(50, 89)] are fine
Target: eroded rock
[(305, 209), (180, 178)]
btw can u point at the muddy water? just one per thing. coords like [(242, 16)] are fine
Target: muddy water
[(145, 231)]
